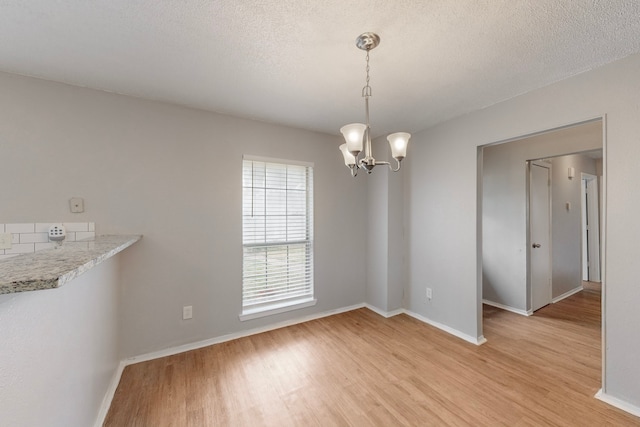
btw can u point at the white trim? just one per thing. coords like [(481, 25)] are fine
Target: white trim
[(385, 314), (108, 397), (603, 253), (473, 340), (275, 160), (277, 308), (508, 308), (229, 337), (567, 294), (618, 403)]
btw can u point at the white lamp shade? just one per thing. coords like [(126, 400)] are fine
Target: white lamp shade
[(349, 159), (354, 135), (398, 142)]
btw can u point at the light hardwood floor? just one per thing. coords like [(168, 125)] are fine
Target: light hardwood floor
[(360, 369)]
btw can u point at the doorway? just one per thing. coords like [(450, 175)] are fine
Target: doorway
[(505, 242), (506, 245)]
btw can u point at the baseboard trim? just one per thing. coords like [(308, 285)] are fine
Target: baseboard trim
[(108, 397), (385, 314), (468, 338), (508, 308), (567, 294), (229, 337), (620, 404)]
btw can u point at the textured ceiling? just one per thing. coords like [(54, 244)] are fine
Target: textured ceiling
[(294, 62)]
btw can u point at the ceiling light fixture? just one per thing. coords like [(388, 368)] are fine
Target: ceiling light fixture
[(358, 135)]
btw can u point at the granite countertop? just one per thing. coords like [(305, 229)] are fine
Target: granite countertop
[(52, 268)]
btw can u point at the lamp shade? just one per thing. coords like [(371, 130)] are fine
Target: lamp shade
[(398, 142), (349, 158), (354, 136)]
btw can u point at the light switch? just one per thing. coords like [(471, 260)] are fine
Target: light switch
[(187, 312), (76, 204), (5, 240)]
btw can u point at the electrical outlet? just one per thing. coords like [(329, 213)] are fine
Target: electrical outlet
[(5, 240), (429, 293), (187, 312)]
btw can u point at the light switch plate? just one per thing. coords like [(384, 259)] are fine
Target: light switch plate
[(187, 312), (5, 240), (76, 204)]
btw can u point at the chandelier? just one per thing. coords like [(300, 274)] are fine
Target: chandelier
[(358, 135)]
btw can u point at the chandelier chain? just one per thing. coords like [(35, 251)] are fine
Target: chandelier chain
[(366, 91)]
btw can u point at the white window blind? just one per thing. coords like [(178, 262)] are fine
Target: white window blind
[(277, 233)]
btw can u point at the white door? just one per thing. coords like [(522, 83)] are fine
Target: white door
[(590, 229), (540, 234)]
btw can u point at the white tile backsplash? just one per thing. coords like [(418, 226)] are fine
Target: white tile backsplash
[(82, 235), (19, 228), (21, 248), (32, 237), (43, 227), (76, 226), (41, 246)]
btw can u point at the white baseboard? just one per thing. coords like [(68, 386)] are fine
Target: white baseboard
[(224, 338), (108, 397), (620, 404), (382, 313), (508, 308), (473, 340), (567, 294)]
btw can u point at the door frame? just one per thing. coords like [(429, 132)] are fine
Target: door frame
[(603, 228), (547, 165)]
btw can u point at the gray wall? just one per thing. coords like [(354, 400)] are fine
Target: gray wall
[(385, 240), (376, 215), (504, 209), (566, 226), (442, 206), (172, 174), (60, 350)]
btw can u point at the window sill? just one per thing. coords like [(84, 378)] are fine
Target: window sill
[(276, 308)]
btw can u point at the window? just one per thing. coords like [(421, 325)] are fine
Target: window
[(277, 236)]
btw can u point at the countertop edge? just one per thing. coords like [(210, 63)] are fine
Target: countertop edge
[(66, 278), (103, 248)]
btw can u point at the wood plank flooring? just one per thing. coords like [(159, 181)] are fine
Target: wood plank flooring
[(360, 369)]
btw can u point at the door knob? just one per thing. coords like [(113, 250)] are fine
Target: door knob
[(535, 245)]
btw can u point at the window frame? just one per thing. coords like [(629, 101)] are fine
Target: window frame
[(284, 304)]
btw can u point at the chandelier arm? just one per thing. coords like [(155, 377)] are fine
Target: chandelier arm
[(396, 169)]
